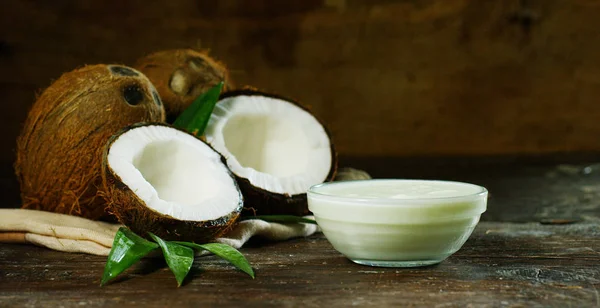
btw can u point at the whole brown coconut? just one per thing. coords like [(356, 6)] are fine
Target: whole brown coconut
[(59, 151), (180, 76)]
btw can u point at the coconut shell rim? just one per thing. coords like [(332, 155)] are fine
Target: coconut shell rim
[(248, 91), (223, 221)]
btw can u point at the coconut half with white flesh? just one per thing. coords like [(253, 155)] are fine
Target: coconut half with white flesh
[(275, 147), (163, 180)]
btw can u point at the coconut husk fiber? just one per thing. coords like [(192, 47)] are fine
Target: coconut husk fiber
[(181, 75), (59, 151)]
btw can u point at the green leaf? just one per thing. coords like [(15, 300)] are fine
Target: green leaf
[(195, 118), (127, 249), (225, 252), (282, 219), (179, 258)]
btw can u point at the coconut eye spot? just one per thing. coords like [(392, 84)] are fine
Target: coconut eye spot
[(204, 69), (133, 95), (197, 63), (122, 71)]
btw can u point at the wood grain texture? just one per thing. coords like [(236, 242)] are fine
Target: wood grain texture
[(393, 78), (502, 265), (537, 246)]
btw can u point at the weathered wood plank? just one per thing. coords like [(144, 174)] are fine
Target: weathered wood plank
[(503, 264)]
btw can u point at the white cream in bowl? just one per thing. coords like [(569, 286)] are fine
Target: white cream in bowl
[(397, 223)]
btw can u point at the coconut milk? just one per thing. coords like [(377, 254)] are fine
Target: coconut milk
[(397, 222)]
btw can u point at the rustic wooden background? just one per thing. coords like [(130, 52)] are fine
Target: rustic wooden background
[(391, 78), (400, 83)]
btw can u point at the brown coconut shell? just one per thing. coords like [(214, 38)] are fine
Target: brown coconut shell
[(59, 151), (131, 211), (181, 75), (262, 202)]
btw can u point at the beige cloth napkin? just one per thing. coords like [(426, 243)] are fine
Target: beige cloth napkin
[(57, 231), (75, 234)]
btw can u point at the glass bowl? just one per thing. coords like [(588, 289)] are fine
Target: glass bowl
[(397, 223)]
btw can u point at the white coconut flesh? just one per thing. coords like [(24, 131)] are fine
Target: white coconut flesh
[(174, 173), (275, 144)]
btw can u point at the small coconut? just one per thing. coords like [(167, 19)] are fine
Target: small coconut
[(59, 151), (180, 76), (275, 147), (162, 180)]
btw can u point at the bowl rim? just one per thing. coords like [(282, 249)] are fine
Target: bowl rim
[(312, 192)]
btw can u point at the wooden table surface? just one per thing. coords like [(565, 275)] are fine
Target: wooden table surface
[(538, 245)]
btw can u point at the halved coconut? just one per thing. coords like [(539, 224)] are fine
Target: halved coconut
[(168, 182), (274, 147)]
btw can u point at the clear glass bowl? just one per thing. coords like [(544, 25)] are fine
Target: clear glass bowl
[(397, 223)]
